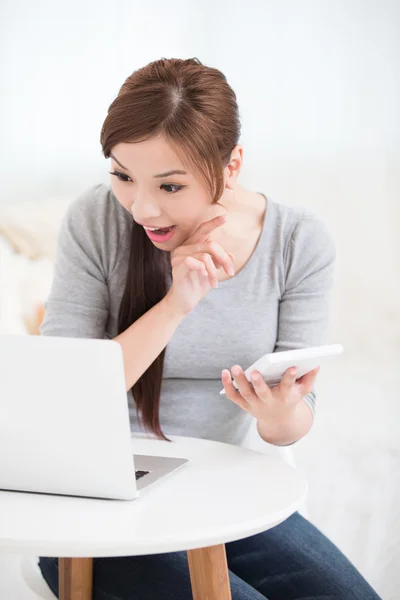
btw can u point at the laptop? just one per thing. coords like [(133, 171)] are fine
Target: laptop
[(64, 420)]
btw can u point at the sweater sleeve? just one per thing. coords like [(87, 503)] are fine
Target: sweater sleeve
[(304, 308), (78, 303)]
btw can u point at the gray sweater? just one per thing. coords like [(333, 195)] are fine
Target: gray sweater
[(279, 301)]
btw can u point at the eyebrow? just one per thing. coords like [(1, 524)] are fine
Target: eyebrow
[(166, 174)]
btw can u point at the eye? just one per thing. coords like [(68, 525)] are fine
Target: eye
[(171, 185), (121, 176)]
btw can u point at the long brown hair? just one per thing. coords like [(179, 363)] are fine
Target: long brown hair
[(195, 109)]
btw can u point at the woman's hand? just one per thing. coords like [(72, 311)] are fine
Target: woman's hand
[(272, 405), (195, 267)]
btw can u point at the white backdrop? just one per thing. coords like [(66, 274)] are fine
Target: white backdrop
[(318, 86)]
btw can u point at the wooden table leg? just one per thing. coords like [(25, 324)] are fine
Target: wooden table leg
[(75, 578), (209, 573)]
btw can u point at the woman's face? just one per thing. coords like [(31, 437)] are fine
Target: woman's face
[(155, 198)]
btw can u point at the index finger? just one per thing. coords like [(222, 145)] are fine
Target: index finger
[(202, 232)]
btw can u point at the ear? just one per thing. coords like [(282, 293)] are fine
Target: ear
[(232, 169)]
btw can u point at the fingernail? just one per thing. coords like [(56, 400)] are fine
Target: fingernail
[(231, 270), (236, 370), (255, 376)]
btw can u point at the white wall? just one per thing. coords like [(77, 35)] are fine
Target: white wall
[(318, 85)]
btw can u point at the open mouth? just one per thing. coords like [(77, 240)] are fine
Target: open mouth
[(161, 235), (161, 230)]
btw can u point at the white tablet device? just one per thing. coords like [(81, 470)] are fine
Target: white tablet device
[(273, 366)]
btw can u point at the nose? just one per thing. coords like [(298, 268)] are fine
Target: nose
[(145, 210)]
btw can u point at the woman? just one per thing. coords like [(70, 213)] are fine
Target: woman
[(211, 275)]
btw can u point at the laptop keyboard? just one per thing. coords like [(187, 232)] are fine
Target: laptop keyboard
[(139, 474)]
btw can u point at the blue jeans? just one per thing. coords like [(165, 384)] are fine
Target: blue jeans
[(292, 561)]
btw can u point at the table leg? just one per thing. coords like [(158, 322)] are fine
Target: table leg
[(75, 578), (209, 573)]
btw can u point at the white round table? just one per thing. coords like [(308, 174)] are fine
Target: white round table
[(223, 493)]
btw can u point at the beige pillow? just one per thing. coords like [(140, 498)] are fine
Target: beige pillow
[(31, 228)]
